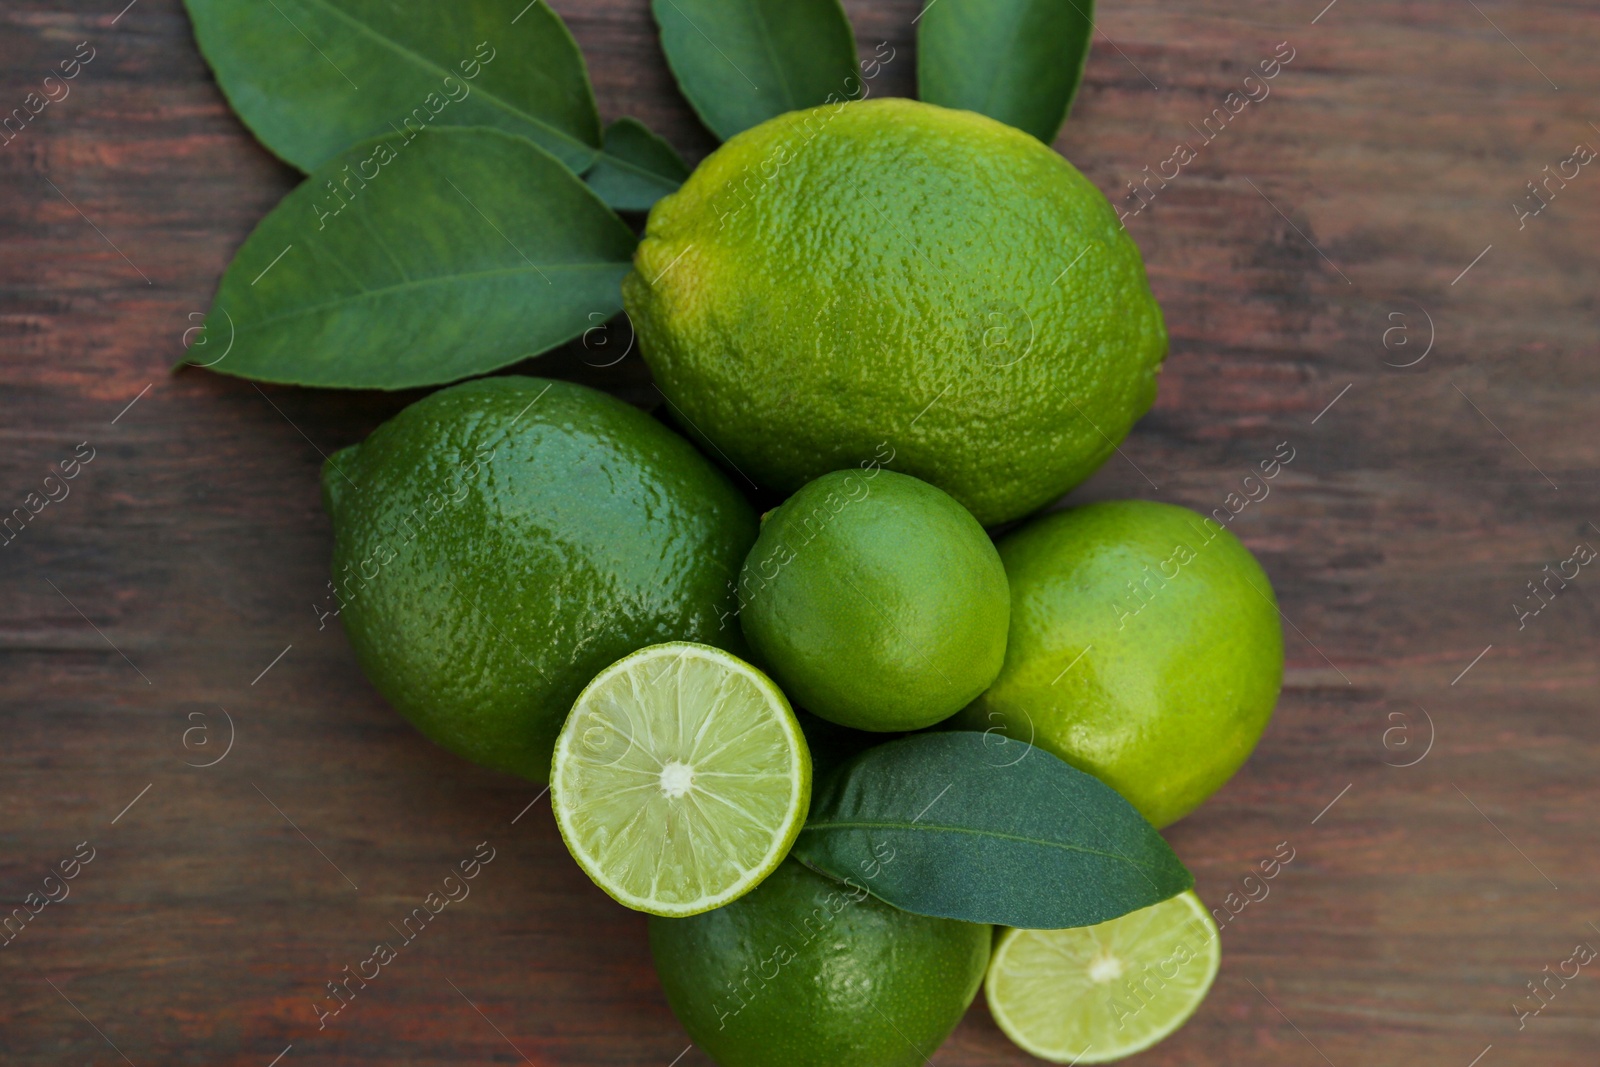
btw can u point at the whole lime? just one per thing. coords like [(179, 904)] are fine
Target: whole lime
[(807, 972), (896, 280), (876, 601), (497, 543), (1145, 648)]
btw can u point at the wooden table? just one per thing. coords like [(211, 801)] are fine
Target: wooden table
[(1365, 203)]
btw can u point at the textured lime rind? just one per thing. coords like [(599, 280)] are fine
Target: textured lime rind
[(808, 972), (896, 280), (498, 543), (876, 601), (1145, 648)]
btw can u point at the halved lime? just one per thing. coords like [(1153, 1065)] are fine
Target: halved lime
[(680, 779), (1094, 994)]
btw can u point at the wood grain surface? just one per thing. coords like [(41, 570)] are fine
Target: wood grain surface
[(175, 590)]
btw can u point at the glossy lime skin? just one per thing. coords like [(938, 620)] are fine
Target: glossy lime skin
[(891, 278), (500, 542), (1184, 660), (876, 601), (804, 971)]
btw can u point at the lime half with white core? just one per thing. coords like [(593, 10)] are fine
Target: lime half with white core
[(1094, 994), (680, 779)]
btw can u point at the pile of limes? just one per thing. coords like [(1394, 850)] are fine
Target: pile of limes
[(931, 325)]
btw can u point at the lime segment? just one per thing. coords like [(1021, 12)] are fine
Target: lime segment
[(680, 779), (1094, 994)]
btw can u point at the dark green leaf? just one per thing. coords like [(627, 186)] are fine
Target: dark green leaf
[(742, 62), (637, 169), (1019, 61), (414, 262), (313, 77), (989, 830)]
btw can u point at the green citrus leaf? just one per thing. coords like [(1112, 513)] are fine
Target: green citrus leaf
[(637, 167), (414, 262), (977, 827), (313, 77), (1019, 61), (742, 62)]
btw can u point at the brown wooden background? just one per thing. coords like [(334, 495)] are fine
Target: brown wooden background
[(192, 549)]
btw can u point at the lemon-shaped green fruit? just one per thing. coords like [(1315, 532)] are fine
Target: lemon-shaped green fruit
[(876, 601), (892, 279), (804, 971), (500, 542), (1145, 648)]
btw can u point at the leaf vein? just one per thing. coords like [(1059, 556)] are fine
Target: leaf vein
[(765, 33), (969, 831), (669, 184), (555, 132), (439, 280)]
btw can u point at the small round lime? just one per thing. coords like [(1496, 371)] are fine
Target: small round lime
[(1145, 648), (804, 971), (497, 543), (876, 601)]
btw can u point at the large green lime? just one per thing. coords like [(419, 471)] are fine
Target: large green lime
[(893, 280), (499, 542), (876, 601), (807, 972), (1145, 648)]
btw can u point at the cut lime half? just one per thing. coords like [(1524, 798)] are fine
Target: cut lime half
[(680, 779), (1094, 994)]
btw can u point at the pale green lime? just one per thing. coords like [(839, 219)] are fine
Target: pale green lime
[(896, 281), (1145, 648)]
